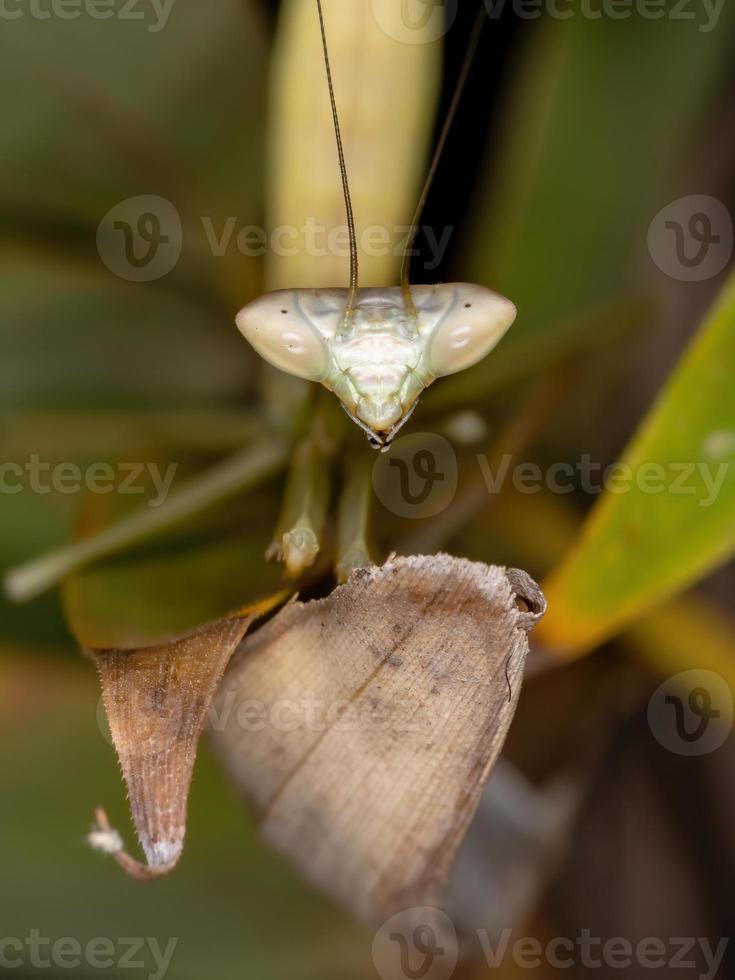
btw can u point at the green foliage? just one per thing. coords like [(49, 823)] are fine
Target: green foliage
[(601, 123), (597, 119), (676, 519)]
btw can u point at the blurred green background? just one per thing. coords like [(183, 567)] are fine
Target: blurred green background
[(573, 136)]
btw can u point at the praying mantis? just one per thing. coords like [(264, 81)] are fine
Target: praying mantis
[(377, 349)]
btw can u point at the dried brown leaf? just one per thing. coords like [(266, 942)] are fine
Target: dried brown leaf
[(157, 699), (365, 725)]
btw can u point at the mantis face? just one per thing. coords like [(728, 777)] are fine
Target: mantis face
[(380, 357)]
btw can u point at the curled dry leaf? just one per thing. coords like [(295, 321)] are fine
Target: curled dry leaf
[(365, 725), (157, 699)]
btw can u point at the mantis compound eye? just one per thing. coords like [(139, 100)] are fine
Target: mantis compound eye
[(283, 336)]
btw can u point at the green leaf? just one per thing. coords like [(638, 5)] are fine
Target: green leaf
[(89, 130), (186, 125), (676, 520), (598, 111), (76, 335), (200, 570)]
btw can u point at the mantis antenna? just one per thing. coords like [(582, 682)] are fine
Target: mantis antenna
[(342, 169), (443, 136)]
